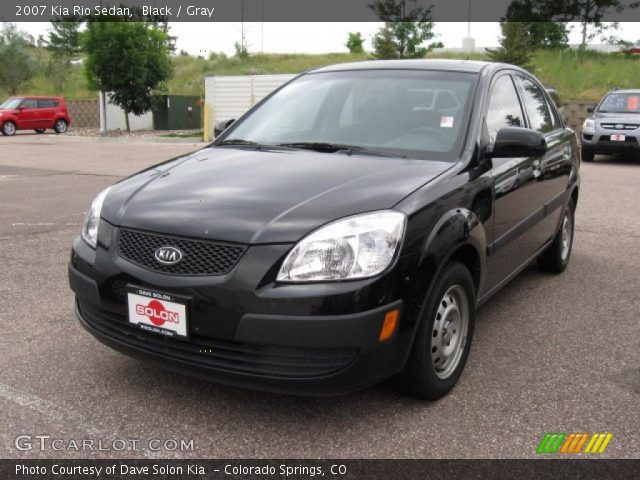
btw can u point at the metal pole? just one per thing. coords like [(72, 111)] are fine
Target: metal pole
[(103, 103)]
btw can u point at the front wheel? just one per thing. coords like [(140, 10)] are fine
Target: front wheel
[(60, 126), (556, 258), (8, 128), (444, 335), (587, 155)]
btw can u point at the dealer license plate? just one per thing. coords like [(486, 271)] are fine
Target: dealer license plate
[(157, 312)]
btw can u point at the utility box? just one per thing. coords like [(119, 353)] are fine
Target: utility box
[(177, 112)]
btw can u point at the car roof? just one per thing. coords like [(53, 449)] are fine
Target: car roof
[(37, 97), (625, 90), (452, 65)]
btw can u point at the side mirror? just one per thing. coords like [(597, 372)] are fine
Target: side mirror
[(518, 142), (21, 108), (591, 109), (222, 125)]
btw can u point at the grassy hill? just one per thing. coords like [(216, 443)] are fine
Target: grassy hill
[(574, 79)]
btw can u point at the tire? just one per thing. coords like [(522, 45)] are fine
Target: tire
[(60, 126), (587, 155), (556, 258), (8, 128), (40, 130), (428, 375)]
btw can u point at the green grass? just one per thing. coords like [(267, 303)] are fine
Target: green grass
[(589, 78), (573, 78)]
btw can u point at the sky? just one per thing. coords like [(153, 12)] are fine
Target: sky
[(307, 37)]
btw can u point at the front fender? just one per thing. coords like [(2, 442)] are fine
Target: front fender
[(456, 228), (10, 118), (458, 233)]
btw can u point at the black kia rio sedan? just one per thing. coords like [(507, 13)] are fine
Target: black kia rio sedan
[(343, 231)]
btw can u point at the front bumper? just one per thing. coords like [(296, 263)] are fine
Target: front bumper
[(323, 343), (600, 143)]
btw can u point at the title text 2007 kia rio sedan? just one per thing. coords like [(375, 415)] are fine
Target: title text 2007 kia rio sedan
[(341, 232)]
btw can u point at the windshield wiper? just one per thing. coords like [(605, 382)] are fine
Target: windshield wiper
[(336, 147), (251, 143), (238, 141)]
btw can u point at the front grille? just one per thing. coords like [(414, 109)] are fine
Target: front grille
[(264, 360), (200, 257), (619, 126)]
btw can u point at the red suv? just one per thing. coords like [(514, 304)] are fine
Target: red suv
[(34, 113)]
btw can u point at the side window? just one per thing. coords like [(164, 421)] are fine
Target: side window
[(535, 103), (47, 103), (555, 116), (504, 107), (29, 103)]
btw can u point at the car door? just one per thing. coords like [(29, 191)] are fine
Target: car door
[(46, 112), (518, 202), (28, 113), (553, 169)]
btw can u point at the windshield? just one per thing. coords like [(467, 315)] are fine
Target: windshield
[(620, 103), (416, 114), (11, 103)]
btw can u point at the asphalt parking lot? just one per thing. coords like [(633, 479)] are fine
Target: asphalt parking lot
[(551, 353)]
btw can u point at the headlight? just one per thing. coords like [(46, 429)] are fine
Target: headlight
[(354, 247), (589, 125), (91, 221)]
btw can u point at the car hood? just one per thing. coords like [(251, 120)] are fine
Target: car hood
[(250, 197), (618, 118)]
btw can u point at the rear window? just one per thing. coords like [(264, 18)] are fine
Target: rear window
[(621, 103), (47, 103)]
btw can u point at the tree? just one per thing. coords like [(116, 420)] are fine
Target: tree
[(17, 67), (64, 37), (591, 14), (384, 45), (129, 59), (355, 43), (548, 35), (241, 49), (64, 43), (407, 27), (515, 45), (542, 33)]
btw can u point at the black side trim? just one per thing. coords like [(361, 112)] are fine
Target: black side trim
[(556, 202), (511, 276), (530, 221), (516, 231)]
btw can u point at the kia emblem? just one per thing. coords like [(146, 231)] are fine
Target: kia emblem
[(168, 255)]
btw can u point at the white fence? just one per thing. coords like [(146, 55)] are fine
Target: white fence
[(230, 97), (116, 119)]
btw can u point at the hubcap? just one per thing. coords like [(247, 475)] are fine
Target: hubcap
[(9, 128), (566, 235), (62, 126), (449, 335)]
